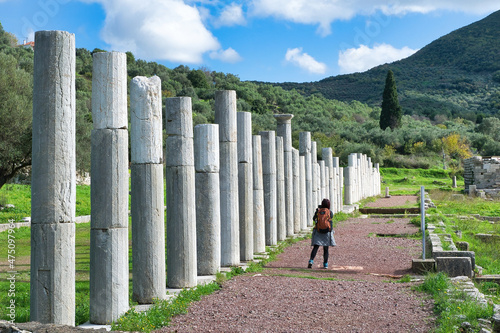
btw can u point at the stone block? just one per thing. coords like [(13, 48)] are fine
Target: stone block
[(225, 115), (148, 233), (181, 227), (109, 90), (206, 148), (178, 116), (146, 120), (462, 246), (207, 223), (245, 202), (52, 287), (448, 254), (110, 190), (179, 151), (455, 266), (422, 266), (244, 137), (109, 275)]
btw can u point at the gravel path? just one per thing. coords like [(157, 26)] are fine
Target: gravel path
[(357, 297)]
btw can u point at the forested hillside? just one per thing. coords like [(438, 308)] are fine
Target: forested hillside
[(457, 75), (346, 126)]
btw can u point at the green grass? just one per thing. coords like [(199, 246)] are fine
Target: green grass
[(20, 197), (408, 181), (451, 305)]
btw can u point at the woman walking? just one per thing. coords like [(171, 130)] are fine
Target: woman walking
[(322, 234)]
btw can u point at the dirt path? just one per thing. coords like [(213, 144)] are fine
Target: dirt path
[(357, 297)]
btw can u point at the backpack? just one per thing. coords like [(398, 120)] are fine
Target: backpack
[(323, 223)]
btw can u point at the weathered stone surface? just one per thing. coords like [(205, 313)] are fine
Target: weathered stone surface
[(110, 178), (270, 187), (245, 185), (148, 233), (178, 117), (302, 185), (181, 227), (146, 120), (208, 222), (179, 151), (305, 150), (109, 90), (53, 184), (454, 266), (53, 187), (109, 274), (206, 147), (423, 266), (280, 186), (284, 130), (455, 254), (259, 218), (52, 286), (297, 211), (245, 194), (225, 115), (244, 134)]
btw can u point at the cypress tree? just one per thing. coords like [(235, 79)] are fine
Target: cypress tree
[(391, 110)]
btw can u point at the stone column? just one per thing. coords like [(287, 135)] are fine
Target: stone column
[(322, 178), (454, 182), (270, 188), (284, 130), (296, 191), (327, 155), (341, 188), (206, 162), (147, 209), (387, 195), (245, 184), (348, 184), (305, 150), (302, 188), (53, 186), (181, 204), (280, 185), (315, 175), (109, 274), (225, 116), (259, 218)]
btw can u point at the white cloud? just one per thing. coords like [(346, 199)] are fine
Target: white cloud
[(157, 29), (324, 12), (304, 61), (228, 55), (363, 58), (231, 15)]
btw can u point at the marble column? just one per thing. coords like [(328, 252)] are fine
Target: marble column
[(206, 162), (284, 130), (109, 264), (181, 205), (305, 150), (268, 139), (296, 192), (259, 218), (147, 206), (225, 116), (280, 185), (53, 186)]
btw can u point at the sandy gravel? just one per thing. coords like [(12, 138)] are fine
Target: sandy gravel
[(280, 299), (394, 201)]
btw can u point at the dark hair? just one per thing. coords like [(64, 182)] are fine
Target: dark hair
[(325, 203)]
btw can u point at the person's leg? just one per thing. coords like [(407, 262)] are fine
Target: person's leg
[(325, 256), (313, 254)]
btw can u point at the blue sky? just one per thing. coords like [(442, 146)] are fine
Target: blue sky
[(264, 40)]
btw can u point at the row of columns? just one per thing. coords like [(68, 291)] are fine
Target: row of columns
[(362, 178), (229, 194)]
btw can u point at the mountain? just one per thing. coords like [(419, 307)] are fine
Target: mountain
[(457, 75)]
